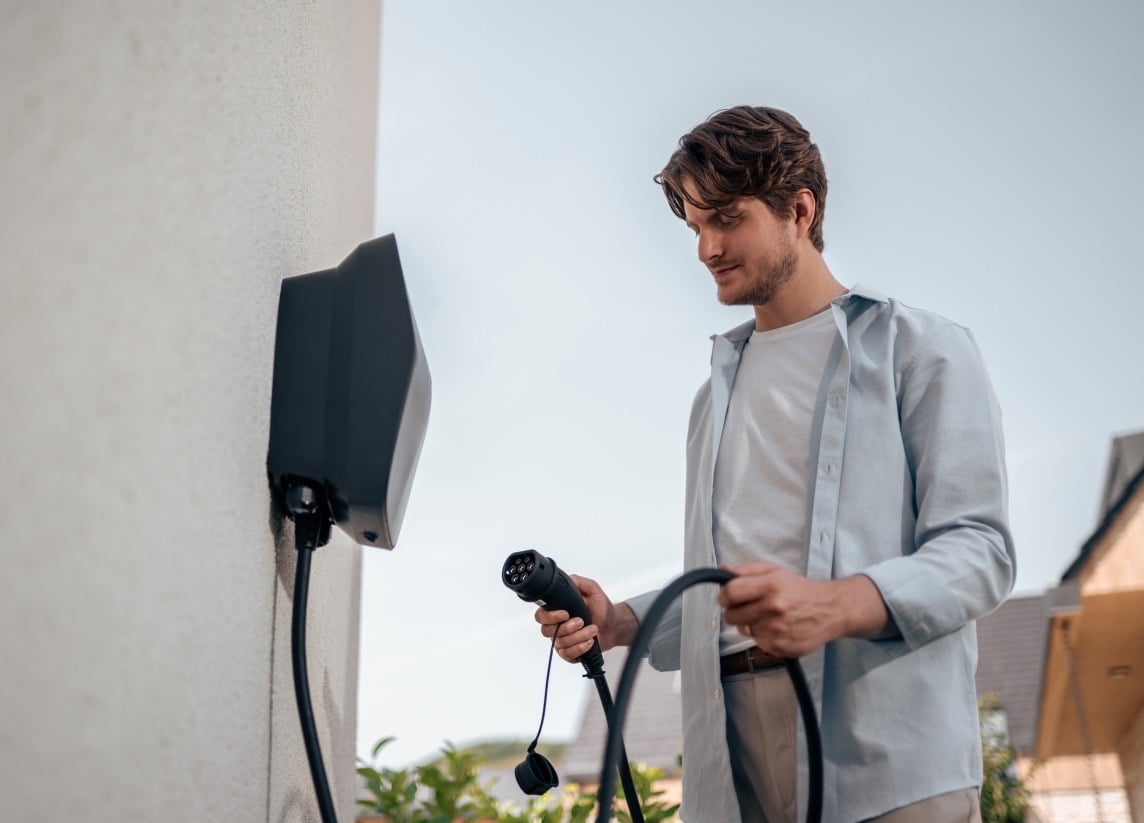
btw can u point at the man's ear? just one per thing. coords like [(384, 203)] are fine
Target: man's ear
[(805, 207)]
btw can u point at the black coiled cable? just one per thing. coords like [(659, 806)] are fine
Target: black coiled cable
[(627, 680)]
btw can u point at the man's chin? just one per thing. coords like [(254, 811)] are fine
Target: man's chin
[(728, 294), (737, 297)]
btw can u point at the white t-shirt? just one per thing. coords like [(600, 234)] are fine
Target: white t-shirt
[(759, 505)]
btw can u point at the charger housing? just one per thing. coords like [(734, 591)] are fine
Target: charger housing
[(351, 394)]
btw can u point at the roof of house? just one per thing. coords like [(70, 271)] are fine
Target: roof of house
[(1125, 477), (1011, 645), (1124, 465), (1098, 655), (652, 732)]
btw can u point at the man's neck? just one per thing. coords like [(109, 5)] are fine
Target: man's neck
[(807, 293)]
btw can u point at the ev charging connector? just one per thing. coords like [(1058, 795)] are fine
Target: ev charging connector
[(537, 579)]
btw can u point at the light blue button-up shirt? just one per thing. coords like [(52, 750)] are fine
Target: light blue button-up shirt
[(908, 487)]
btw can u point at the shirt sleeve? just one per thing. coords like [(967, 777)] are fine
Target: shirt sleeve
[(664, 651), (964, 564)]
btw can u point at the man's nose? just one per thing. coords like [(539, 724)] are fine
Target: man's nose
[(709, 246)]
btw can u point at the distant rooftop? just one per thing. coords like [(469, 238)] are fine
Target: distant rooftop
[(1011, 644), (653, 735), (1125, 476), (1124, 465)]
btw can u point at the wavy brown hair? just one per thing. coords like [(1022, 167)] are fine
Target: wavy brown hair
[(747, 151)]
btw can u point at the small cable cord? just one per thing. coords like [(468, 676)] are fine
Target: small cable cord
[(544, 703), (596, 675)]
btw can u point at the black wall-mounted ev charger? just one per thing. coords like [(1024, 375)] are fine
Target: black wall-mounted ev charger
[(351, 395), (348, 414)]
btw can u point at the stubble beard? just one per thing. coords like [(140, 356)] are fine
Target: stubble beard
[(764, 285)]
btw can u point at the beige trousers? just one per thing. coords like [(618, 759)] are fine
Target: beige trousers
[(762, 733)]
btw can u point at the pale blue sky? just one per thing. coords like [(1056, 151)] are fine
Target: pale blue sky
[(984, 162)]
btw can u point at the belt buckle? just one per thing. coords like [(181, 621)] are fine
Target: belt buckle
[(750, 653)]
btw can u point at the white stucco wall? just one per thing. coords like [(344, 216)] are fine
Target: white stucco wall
[(162, 167)]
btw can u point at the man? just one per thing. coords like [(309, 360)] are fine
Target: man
[(845, 460)]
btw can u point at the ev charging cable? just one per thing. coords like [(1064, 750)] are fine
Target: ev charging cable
[(537, 579), (627, 680), (311, 531)]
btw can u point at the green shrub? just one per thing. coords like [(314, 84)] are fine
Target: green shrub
[(449, 789), (1004, 798), (654, 810), (392, 792)]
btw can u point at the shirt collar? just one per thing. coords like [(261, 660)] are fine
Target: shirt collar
[(744, 330), (858, 290)]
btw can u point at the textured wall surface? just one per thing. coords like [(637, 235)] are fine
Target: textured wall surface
[(1131, 750), (163, 165)]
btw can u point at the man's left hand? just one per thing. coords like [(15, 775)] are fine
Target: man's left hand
[(791, 616)]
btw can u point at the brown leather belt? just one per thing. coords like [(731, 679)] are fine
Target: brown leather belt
[(753, 659)]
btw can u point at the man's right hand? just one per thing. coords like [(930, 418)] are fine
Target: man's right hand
[(613, 625)]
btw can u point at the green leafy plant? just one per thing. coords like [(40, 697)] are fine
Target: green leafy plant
[(583, 805), (449, 790), (654, 809), (454, 790), (392, 792), (543, 810), (1004, 798)]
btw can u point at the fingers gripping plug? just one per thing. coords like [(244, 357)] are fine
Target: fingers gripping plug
[(537, 579)]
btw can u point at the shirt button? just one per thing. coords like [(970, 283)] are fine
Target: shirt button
[(715, 624), (718, 694)]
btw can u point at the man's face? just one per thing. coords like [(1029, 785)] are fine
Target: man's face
[(749, 251)]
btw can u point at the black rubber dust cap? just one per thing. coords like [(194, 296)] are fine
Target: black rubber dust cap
[(535, 774)]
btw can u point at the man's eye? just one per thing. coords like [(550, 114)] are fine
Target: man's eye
[(726, 220)]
